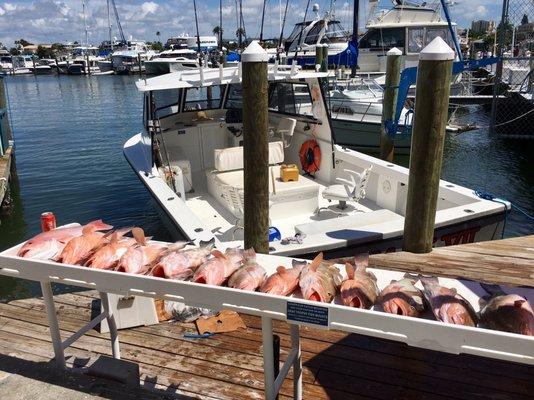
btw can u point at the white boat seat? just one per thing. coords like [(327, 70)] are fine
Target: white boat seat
[(349, 190), (231, 158), (353, 222), (304, 193)]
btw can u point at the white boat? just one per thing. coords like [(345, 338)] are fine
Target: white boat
[(22, 64), (6, 63), (171, 61), (356, 112), (132, 58), (193, 168), (184, 41), (409, 26)]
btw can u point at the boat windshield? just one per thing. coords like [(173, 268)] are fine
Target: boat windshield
[(203, 98), (189, 56), (290, 98), (296, 30), (335, 31), (383, 39), (419, 37), (234, 99), (166, 102), (5, 59)]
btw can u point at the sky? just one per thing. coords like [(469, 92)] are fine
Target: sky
[(48, 21)]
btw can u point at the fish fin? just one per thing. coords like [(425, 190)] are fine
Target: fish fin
[(99, 225), (349, 268), (361, 259), (316, 261), (297, 263), (178, 245), (114, 237), (139, 236), (88, 229), (249, 254), (217, 254), (206, 243), (519, 303), (281, 270)]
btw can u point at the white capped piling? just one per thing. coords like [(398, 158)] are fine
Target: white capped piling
[(430, 120), (256, 147), (389, 102)]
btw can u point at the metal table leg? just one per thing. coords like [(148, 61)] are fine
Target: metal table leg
[(53, 324), (297, 363), (115, 349), (268, 357)]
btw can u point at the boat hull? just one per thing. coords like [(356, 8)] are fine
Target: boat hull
[(157, 68), (365, 136)]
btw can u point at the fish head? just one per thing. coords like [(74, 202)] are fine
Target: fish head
[(99, 225), (455, 312), (275, 284), (132, 261), (48, 250), (399, 306), (210, 273)]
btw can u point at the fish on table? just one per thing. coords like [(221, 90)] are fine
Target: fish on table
[(79, 248), (402, 298), (359, 290), (177, 263), (319, 281), (218, 269), (250, 276), (49, 245), (107, 256), (285, 280), (138, 259), (506, 312), (447, 304)]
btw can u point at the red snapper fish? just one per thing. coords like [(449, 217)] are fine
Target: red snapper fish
[(250, 276), (180, 264), (447, 305), (402, 298), (319, 281), (218, 269), (284, 281), (138, 259), (49, 245), (80, 248), (360, 289), (506, 312), (109, 255)]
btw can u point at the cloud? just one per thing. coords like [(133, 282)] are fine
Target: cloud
[(141, 19)]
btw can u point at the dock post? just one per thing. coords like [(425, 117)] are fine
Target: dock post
[(255, 147), (87, 63), (430, 120), (268, 356), (389, 102), (324, 61), (139, 63), (319, 56), (33, 63), (4, 106)]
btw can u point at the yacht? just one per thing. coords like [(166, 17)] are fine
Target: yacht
[(189, 156), (22, 64), (408, 25), (132, 58), (84, 60), (171, 61), (6, 63), (45, 66), (184, 41), (301, 44)]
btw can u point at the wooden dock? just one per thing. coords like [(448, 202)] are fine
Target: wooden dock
[(5, 168), (337, 365)]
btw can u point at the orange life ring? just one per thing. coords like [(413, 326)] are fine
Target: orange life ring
[(310, 156)]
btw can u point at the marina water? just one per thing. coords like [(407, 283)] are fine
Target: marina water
[(69, 132)]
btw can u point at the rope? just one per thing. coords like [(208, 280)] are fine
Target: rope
[(491, 197), (198, 336)]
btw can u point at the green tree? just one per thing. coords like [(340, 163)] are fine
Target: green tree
[(14, 51), (156, 46), (43, 52), (23, 42), (524, 20)]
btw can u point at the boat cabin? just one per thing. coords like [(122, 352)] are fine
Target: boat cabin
[(322, 196)]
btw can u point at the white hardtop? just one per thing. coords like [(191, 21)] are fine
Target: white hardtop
[(407, 16), (217, 76)]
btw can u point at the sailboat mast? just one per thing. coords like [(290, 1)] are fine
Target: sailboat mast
[(220, 26), (355, 27), (198, 34), (85, 25), (109, 27), (262, 20), (283, 26)]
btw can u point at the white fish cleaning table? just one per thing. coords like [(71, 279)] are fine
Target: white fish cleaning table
[(420, 332)]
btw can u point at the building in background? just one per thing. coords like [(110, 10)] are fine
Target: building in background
[(482, 26)]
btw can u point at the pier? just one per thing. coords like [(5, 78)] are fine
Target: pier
[(336, 365)]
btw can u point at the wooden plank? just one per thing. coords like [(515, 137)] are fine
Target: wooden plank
[(488, 262)]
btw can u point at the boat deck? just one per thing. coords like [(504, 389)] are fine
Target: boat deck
[(337, 365)]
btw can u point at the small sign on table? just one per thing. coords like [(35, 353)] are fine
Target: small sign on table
[(307, 313)]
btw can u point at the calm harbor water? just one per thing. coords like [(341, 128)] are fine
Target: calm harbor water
[(69, 132)]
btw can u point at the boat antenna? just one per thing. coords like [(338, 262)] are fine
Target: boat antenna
[(283, 25), (262, 20), (241, 24), (355, 27), (119, 26), (302, 29), (109, 27), (198, 34)]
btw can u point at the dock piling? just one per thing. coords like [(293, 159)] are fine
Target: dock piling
[(393, 67), (255, 147), (324, 61), (430, 120), (319, 56)]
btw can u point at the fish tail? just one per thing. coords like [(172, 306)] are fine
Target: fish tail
[(99, 225)]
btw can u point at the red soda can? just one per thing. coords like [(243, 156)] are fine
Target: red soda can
[(48, 221)]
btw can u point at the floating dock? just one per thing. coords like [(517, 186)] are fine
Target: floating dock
[(336, 365)]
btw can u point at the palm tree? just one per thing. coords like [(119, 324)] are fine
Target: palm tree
[(218, 31), (158, 34)]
